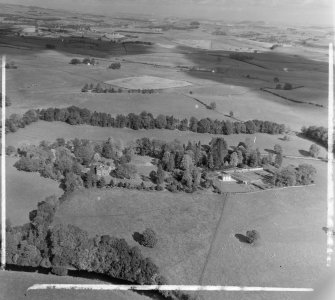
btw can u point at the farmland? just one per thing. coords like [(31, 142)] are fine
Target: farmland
[(147, 82), (171, 69)]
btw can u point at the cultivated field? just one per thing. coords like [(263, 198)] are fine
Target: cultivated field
[(147, 82)]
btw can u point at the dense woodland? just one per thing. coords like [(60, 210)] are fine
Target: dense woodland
[(74, 116)]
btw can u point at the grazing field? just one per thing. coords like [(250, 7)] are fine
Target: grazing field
[(24, 190), (292, 248), (289, 221), (147, 82), (184, 224), (49, 131)]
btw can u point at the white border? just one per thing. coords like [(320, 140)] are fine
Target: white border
[(3, 166), (112, 287), (330, 182)]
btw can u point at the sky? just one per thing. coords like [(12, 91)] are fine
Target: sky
[(295, 12)]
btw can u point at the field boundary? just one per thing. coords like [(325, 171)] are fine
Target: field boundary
[(225, 198)]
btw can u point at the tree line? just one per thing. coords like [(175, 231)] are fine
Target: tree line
[(74, 116)]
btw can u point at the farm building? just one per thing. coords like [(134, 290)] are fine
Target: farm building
[(225, 178), (102, 170)]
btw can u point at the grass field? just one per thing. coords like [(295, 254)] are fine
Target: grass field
[(292, 248), (24, 190), (184, 224), (290, 253), (49, 131)]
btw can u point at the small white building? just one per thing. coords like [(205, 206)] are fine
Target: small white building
[(226, 178)]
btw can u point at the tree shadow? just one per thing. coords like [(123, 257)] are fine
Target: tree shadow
[(304, 153), (137, 237), (242, 238)]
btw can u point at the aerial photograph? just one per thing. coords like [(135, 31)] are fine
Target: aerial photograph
[(167, 149)]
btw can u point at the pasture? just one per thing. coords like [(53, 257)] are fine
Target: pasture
[(184, 224), (290, 253)]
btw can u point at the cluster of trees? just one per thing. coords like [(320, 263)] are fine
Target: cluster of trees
[(99, 89), (304, 174), (40, 243), (15, 121), (316, 134), (184, 167), (104, 89), (66, 161), (8, 101), (74, 115), (86, 60), (114, 66), (240, 56), (287, 86)]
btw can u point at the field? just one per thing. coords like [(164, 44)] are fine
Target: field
[(200, 234), (147, 82), (184, 224), (291, 251), (46, 72), (24, 191)]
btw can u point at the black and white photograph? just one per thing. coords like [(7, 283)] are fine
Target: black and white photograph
[(167, 149)]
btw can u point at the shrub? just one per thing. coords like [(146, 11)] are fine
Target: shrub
[(287, 86), (75, 61), (278, 86), (212, 105), (60, 271), (50, 46), (10, 150), (148, 238), (252, 236), (115, 66), (314, 150)]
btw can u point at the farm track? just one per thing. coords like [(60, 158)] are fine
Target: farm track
[(290, 99), (201, 279)]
